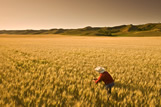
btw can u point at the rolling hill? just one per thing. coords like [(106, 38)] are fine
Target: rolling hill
[(150, 29)]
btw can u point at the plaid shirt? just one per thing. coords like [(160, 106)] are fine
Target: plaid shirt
[(105, 77)]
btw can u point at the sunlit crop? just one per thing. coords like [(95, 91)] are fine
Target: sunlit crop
[(58, 71)]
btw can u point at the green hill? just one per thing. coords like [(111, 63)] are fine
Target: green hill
[(150, 29)]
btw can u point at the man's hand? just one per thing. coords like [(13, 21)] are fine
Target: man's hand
[(94, 80)]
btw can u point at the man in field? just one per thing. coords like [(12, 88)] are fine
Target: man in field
[(106, 78)]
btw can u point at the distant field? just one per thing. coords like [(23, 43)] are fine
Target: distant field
[(56, 70)]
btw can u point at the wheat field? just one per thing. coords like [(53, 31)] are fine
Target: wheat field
[(56, 70)]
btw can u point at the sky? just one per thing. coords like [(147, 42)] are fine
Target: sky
[(49, 14)]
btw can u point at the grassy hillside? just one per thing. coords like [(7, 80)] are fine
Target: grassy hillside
[(151, 29)]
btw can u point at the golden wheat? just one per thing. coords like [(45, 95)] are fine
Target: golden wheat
[(58, 71)]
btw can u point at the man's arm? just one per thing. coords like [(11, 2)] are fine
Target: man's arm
[(99, 79)]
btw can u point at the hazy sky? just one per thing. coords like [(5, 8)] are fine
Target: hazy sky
[(47, 14)]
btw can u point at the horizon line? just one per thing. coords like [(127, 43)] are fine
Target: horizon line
[(83, 27)]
